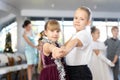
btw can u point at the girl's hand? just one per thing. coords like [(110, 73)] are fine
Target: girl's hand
[(97, 51), (37, 47), (40, 47), (57, 52)]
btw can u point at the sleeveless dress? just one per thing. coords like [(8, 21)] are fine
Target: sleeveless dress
[(50, 69), (30, 52)]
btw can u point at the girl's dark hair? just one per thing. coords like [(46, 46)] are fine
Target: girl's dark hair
[(93, 29), (41, 35), (26, 22)]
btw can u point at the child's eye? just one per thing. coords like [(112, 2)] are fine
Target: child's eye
[(81, 19), (58, 31), (75, 17), (52, 30)]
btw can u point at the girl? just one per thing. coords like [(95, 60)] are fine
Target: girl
[(52, 68), (78, 50), (30, 47), (100, 65), (40, 46)]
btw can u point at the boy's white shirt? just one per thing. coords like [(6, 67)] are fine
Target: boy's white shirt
[(81, 55)]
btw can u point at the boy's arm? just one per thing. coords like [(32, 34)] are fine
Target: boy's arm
[(81, 40), (115, 59), (67, 41), (71, 44), (117, 55)]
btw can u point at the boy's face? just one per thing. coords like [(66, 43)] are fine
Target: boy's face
[(52, 34), (115, 32), (80, 20)]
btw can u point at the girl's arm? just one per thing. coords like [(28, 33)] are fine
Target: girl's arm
[(50, 48), (79, 40), (28, 41), (97, 51), (106, 60), (68, 47), (103, 58), (115, 59)]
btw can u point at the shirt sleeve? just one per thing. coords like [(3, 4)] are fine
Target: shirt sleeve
[(105, 42), (102, 46), (84, 38)]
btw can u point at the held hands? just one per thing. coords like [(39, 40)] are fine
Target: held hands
[(97, 51), (39, 47), (58, 52)]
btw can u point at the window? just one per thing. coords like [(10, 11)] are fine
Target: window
[(69, 30), (101, 25), (12, 28)]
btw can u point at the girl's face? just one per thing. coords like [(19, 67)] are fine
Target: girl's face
[(115, 32), (96, 34), (52, 35), (28, 27), (80, 20)]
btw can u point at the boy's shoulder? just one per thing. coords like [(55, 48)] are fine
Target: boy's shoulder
[(81, 32)]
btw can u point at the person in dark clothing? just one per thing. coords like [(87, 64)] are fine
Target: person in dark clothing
[(113, 50)]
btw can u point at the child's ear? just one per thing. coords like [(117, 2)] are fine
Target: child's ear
[(45, 32)]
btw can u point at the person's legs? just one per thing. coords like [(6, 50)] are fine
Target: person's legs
[(79, 72), (86, 74), (29, 71), (73, 73), (116, 71)]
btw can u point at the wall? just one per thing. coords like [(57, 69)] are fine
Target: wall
[(56, 13)]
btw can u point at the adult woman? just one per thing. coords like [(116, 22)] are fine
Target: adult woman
[(30, 47)]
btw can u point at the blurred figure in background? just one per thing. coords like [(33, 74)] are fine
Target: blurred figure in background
[(30, 47), (99, 64), (113, 50)]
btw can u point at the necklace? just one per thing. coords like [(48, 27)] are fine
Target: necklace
[(58, 62)]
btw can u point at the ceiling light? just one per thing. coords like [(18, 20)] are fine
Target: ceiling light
[(52, 5)]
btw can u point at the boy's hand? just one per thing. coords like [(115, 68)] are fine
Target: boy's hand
[(57, 52)]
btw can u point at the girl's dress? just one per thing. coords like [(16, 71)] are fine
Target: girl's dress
[(49, 71), (30, 52), (52, 68), (99, 68)]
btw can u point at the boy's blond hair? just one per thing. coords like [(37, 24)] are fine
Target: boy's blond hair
[(87, 10)]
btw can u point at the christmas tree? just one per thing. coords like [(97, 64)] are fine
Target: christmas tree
[(8, 44)]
